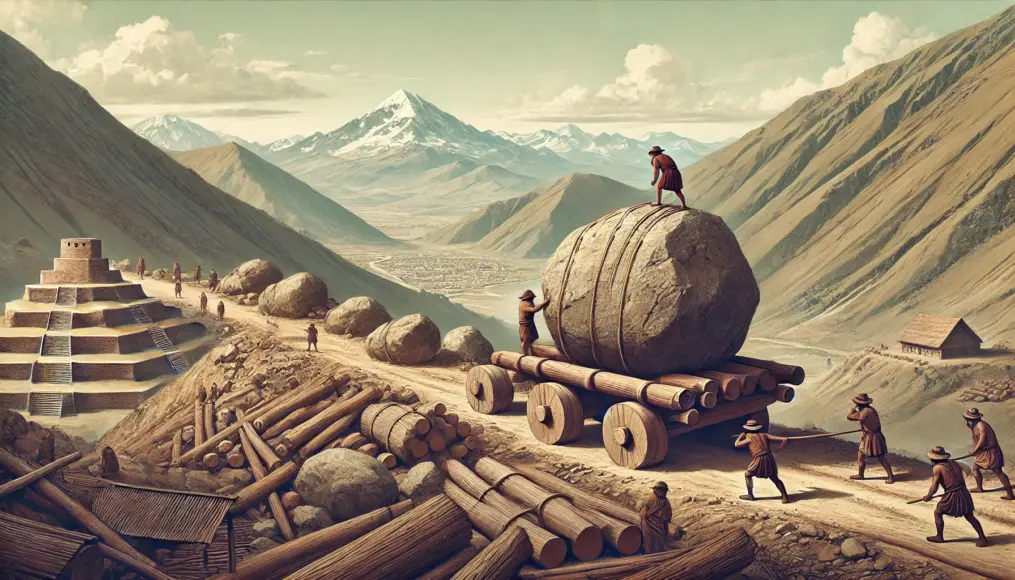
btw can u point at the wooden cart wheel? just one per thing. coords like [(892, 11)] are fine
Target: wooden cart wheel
[(634, 436), (489, 389), (555, 413)]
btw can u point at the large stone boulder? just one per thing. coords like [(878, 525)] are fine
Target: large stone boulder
[(674, 293), (346, 483), (357, 316), (422, 482), (252, 276), (410, 340), (465, 344), (294, 297)]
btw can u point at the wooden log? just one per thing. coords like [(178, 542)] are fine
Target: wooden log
[(212, 461), (255, 493), (188, 434), (309, 429), (75, 510), (783, 373), (471, 442), (438, 423), (296, 417), (499, 560), (257, 468), (579, 497), (707, 400), (266, 453), (280, 449), (328, 435), (766, 382), (430, 410), (435, 440), (142, 566), (489, 389), (291, 556), (394, 428), (699, 385), (353, 440), (177, 449), (209, 418), (400, 549), (690, 417), (464, 429), (448, 568), (199, 437), (274, 410), (647, 392), (458, 451), (718, 557), (739, 408), (730, 385), (553, 511), (784, 393), (33, 476), (607, 568), (549, 351), (634, 436), (235, 458), (388, 460), (623, 536), (548, 550), (451, 419), (450, 432), (370, 449), (224, 446)]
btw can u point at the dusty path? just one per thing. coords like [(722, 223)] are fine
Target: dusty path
[(815, 472)]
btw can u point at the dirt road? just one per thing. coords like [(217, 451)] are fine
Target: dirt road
[(816, 472)]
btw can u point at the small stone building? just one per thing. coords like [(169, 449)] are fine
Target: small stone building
[(940, 337)]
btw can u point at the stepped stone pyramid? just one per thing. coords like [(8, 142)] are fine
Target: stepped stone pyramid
[(83, 339)]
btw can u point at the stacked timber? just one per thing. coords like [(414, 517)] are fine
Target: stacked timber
[(410, 433)]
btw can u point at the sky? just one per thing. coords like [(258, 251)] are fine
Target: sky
[(269, 69)]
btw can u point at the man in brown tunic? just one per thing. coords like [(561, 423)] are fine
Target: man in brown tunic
[(179, 288), (204, 303), (109, 464), (763, 462), (213, 280), (140, 268), (987, 451), (221, 310), (956, 501), (527, 310), (872, 442), (655, 519), (312, 337), (671, 178), (197, 274), (47, 447), (176, 270)]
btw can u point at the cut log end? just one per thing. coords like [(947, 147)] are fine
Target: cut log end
[(785, 393), (388, 460), (211, 460), (629, 540), (458, 451), (708, 400), (553, 553), (588, 545)]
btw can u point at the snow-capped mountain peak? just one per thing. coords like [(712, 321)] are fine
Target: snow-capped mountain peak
[(176, 133)]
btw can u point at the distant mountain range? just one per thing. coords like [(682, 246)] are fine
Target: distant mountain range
[(173, 133)]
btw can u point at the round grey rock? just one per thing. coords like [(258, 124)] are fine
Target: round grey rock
[(294, 297), (307, 519), (422, 482), (465, 344), (346, 483), (650, 291), (250, 277), (357, 316), (853, 549), (410, 340)]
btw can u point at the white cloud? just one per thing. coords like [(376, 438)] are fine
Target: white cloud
[(26, 20), (315, 53), (877, 39), (151, 61), (348, 73)]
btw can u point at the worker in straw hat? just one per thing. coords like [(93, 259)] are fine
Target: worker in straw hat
[(987, 451), (527, 310), (872, 442), (956, 501), (762, 461), (655, 519), (671, 179)]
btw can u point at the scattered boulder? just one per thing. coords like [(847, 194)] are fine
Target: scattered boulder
[(122, 265), (265, 529), (263, 544), (250, 277), (808, 530), (829, 553), (410, 340), (422, 482), (294, 297), (159, 274), (853, 549), (308, 519), (465, 344), (252, 299), (357, 316), (346, 483)]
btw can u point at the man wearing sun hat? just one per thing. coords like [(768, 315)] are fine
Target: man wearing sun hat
[(655, 519), (956, 500), (762, 461), (987, 451), (527, 310), (872, 442)]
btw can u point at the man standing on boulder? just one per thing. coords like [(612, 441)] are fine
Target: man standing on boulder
[(655, 519), (671, 178), (987, 451), (140, 268), (872, 442), (312, 337), (527, 310), (956, 501), (762, 461)]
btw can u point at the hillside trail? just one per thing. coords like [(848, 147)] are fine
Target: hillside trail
[(815, 472)]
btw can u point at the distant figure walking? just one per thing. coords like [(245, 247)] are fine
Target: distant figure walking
[(179, 288), (655, 519), (47, 447), (197, 274), (671, 180), (527, 310), (956, 501), (828, 362), (204, 303), (221, 309), (872, 442), (140, 268), (213, 280), (312, 337), (762, 461), (176, 271), (987, 451)]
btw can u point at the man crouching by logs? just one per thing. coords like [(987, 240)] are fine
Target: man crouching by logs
[(655, 519), (527, 310), (987, 452), (956, 500), (872, 442), (763, 462)]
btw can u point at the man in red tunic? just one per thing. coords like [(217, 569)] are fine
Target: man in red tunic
[(527, 310), (671, 179), (762, 461), (872, 442), (956, 501), (987, 451)]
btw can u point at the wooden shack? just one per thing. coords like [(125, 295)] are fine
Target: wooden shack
[(189, 534), (33, 550), (940, 337)]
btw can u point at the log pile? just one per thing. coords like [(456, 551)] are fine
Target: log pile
[(411, 433)]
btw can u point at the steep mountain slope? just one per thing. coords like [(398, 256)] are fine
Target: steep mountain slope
[(69, 169), (176, 133), (466, 185), (893, 193), (249, 178), (537, 227), (479, 223)]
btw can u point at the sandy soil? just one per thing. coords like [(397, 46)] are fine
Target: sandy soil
[(815, 472)]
